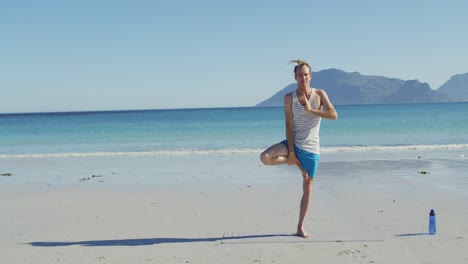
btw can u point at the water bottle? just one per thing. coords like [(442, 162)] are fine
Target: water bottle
[(432, 222)]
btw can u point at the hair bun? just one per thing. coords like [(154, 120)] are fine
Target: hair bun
[(299, 62)]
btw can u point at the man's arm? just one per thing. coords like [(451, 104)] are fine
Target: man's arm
[(328, 111), (288, 117)]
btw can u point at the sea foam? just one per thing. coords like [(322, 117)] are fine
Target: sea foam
[(229, 151)]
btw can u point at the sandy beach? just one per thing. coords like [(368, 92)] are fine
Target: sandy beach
[(367, 207)]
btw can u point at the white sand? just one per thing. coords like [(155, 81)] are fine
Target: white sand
[(177, 209)]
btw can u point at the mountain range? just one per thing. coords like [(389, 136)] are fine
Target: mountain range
[(354, 88)]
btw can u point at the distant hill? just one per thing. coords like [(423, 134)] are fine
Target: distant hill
[(353, 88), (456, 87)]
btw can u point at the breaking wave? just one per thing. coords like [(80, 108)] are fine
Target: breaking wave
[(339, 149)]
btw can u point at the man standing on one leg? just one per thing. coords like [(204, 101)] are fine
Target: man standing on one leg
[(303, 110)]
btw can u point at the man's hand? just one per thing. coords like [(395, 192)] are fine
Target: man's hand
[(292, 160), (308, 107), (302, 99)]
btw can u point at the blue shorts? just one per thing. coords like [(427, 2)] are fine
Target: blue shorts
[(309, 161)]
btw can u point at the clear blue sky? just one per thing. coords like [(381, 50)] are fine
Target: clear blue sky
[(107, 55)]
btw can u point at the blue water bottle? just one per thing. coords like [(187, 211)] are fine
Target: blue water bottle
[(432, 222)]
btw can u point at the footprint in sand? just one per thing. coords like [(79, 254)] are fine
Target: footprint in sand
[(356, 254)]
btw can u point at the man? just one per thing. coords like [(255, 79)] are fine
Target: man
[(303, 110)]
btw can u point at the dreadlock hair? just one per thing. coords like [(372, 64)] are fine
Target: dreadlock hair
[(299, 64)]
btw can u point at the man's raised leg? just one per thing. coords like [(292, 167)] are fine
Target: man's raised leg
[(275, 155)]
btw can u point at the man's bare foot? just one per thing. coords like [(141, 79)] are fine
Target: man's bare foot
[(300, 232)]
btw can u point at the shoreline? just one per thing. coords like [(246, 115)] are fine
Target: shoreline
[(342, 150), (206, 168)]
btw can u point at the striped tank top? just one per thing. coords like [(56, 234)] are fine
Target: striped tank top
[(306, 125)]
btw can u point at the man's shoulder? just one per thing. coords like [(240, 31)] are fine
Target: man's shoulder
[(319, 91), (288, 97)]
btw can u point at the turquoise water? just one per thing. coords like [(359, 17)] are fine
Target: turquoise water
[(229, 130)]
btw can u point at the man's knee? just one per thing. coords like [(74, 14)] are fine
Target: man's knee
[(265, 158), (307, 185)]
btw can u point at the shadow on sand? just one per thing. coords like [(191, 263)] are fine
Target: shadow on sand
[(144, 241), (414, 234)]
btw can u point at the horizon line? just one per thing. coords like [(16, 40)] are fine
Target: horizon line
[(192, 108)]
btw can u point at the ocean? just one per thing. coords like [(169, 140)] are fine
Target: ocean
[(227, 130)]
